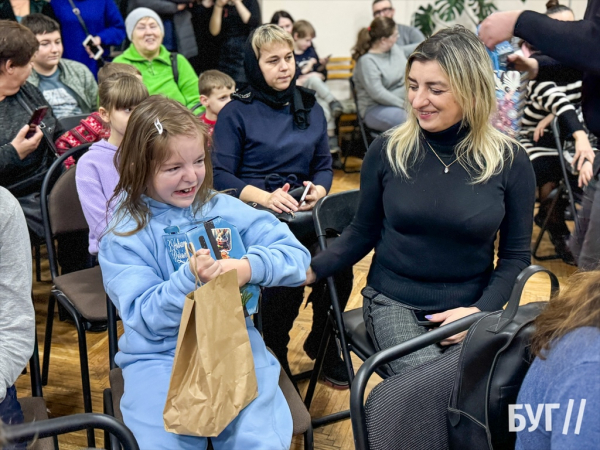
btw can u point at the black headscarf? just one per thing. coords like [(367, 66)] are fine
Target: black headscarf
[(301, 100)]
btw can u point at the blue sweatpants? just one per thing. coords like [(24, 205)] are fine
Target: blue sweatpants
[(265, 424)]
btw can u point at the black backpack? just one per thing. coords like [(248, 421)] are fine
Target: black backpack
[(494, 360)]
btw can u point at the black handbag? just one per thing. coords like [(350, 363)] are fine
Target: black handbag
[(493, 362)]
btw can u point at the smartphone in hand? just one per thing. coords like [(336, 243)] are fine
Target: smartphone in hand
[(95, 49), (303, 198), (422, 320), (35, 119)]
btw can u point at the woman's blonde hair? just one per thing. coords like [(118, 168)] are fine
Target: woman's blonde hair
[(574, 307), (270, 34), (121, 91), (381, 27), (464, 60), (145, 148)]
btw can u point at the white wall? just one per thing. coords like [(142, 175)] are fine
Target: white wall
[(337, 22)]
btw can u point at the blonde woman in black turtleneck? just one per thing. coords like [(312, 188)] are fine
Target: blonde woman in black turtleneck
[(435, 193)]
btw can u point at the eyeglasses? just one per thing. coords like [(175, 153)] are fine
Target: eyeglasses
[(382, 11)]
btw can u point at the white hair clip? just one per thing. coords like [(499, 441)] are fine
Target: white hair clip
[(158, 126)]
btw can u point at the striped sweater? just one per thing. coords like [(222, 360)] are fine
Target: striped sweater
[(547, 97)]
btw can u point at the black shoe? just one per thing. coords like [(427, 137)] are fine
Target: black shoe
[(337, 161), (336, 108), (334, 373), (562, 249)]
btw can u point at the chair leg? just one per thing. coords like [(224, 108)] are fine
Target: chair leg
[(309, 443), (316, 372), (85, 375), (544, 228), (48, 339), (38, 262)]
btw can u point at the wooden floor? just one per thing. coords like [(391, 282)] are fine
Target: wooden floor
[(63, 392)]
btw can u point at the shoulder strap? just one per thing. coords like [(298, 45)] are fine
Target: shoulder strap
[(174, 67), (78, 14)]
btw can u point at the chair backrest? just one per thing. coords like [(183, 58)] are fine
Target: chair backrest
[(68, 424), (335, 212), (340, 68), (61, 208), (70, 122)]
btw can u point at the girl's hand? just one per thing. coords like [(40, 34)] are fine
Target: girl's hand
[(221, 3), (585, 174), (311, 276), (208, 3), (523, 64), (539, 129), (450, 316), (280, 201), (204, 267), (244, 271), (312, 197)]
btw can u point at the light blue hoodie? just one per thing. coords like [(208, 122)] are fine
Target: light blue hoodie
[(140, 279)]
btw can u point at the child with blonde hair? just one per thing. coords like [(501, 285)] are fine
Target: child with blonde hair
[(96, 175)]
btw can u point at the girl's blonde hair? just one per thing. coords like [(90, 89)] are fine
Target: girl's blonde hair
[(574, 307), (145, 148), (121, 91), (464, 60), (381, 27), (270, 34)]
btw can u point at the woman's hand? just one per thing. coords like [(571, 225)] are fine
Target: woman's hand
[(97, 41), (450, 316), (539, 129), (181, 6), (244, 271), (583, 160), (311, 276), (523, 64), (208, 3), (280, 201), (221, 3), (312, 197), (25, 146), (204, 266)]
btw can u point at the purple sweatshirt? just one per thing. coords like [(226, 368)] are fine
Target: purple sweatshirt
[(96, 179)]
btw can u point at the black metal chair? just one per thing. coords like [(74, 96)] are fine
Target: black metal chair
[(564, 190), (81, 293), (442, 367), (419, 395), (112, 396), (70, 122), (334, 213), (368, 134), (68, 424), (34, 407)]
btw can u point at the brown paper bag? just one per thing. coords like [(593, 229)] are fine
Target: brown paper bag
[(213, 375)]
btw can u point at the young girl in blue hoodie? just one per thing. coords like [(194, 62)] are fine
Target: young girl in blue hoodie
[(166, 180)]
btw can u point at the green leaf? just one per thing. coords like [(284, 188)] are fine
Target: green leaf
[(482, 8), (449, 10), (423, 20)]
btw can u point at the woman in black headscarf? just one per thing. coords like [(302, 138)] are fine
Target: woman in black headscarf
[(269, 141)]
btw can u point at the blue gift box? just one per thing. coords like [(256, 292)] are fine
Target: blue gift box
[(224, 242)]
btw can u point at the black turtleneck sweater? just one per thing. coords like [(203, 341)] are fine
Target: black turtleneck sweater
[(434, 233)]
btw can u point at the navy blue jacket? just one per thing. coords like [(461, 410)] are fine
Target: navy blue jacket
[(253, 141)]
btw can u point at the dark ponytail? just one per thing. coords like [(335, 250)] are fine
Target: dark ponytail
[(381, 27), (553, 7)]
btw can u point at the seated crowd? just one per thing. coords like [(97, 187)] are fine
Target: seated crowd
[(179, 135)]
